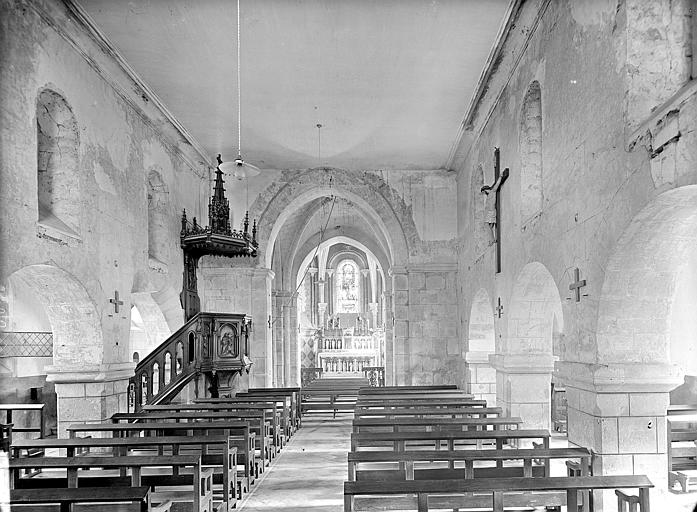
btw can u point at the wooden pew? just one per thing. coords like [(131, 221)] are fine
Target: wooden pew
[(398, 389), (232, 484), (239, 431), (295, 397), (420, 395), (406, 423), (10, 409), (332, 395), (270, 411), (279, 409), (399, 441), (681, 431), (135, 499), (452, 412), (256, 420), (410, 403), (199, 478), (5, 436), (441, 464), (282, 399), (491, 493)]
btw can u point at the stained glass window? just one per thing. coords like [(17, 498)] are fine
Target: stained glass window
[(347, 287)]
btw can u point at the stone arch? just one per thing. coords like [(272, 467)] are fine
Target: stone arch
[(169, 303), (531, 153), (158, 218), (57, 145), (75, 322), (148, 325), (393, 224), (27, 332), (534, 306), (481, 377), (524, 379), (646, 309)]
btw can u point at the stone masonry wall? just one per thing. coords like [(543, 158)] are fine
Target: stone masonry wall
[(123, 136)]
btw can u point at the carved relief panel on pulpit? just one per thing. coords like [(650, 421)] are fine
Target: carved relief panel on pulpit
[(229, 341)]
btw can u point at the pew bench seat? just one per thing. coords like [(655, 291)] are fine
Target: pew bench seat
[(156, 472), (98, 499), (488, 493)]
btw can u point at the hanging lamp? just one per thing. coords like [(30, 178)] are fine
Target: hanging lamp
[(239, 168)]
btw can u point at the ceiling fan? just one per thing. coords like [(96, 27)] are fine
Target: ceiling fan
[(238, 167)]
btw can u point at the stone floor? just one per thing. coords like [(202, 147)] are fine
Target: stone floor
[(309, 473)]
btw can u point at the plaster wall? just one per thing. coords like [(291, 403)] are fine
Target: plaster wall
[(602, 163), (122, 137)]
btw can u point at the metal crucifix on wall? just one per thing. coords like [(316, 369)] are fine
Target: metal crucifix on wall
[(493, 204)]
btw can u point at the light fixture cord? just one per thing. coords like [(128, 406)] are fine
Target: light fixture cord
[(319, 145), (239, 88)]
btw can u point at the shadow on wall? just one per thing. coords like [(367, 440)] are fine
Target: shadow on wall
[(686, 393)]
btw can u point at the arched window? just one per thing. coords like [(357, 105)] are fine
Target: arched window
[(348, 289), (57, 142), (531, 153)]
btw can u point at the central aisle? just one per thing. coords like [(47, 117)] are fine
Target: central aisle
[(309, 473)]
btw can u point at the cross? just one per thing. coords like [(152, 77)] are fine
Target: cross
[(499, 308), (499, 180), (116, 302), (578, 284)]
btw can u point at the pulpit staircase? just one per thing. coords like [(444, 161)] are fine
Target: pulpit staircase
[(207, 343)]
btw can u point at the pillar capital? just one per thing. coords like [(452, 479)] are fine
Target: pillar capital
[(619, 377), (313, 271)]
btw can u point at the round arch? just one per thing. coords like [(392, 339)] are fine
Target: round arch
[(647, 301), (535, 312), (526, 356), (75, 322), (391, 229)]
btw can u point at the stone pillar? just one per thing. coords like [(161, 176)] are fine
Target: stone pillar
[(619, 411), (89, 393), (523, 384), (322, 313), (294, 352), (277, 336), (365, 299), (224, 288), (373, 306), (330, 291), (286, 337), (313, 295), (390, 359), (483, 376), (400, 327)]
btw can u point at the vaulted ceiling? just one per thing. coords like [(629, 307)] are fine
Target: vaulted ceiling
[(389, 80)]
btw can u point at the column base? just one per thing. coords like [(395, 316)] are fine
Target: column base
[(619, 411), (523, 386), (481, 377), (91, 393)]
